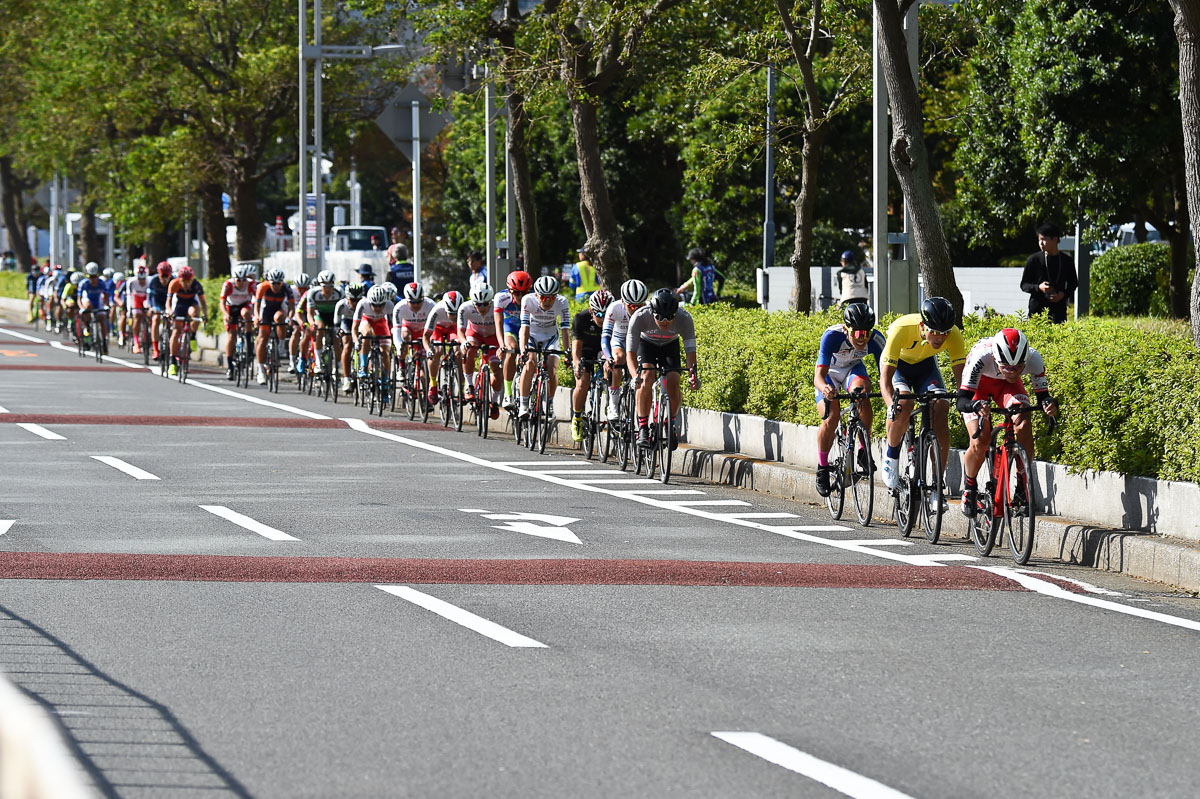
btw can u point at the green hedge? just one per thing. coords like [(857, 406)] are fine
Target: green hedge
[(12, 284), (1132, 281)]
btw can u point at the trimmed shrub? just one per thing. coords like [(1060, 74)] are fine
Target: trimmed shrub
[(1132, 281), (12, 284)]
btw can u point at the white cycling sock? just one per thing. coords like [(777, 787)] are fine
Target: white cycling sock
[(524, 401)]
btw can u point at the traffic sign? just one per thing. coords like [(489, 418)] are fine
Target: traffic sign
[(396, 119)]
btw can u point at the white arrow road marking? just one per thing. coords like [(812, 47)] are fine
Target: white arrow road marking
[(839, 779), (38, 430), (253, 526), (129, 469), (22, 336), (460, 616), (552, 526), (6, 525)]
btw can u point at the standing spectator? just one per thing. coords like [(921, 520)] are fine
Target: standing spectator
[(583, 277), (852, 279), (400, 269), (706, 281), (1049, 277), (479, 276)]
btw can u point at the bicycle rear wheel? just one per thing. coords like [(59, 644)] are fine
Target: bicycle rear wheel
[(1020, 512), (835, 500), (862, 474), (906, 494), (185, 355), (457, 400), (931, 495), (546, 414), (663, 435), (483, 399)]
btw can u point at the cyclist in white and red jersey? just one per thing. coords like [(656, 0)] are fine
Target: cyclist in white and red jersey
[(136, 292), (993, 373), (343, 321), (372, 317), (545, 324), (506, 308), (408, 319), (476, 329), (237, 301), (612, 336), (440, 325)]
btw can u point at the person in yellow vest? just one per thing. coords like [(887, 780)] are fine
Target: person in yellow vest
[(583, 277)]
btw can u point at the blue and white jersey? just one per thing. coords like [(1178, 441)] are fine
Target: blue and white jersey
[(837, 353)]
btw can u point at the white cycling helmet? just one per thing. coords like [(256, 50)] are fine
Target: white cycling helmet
[(453, 301), (92, 269), (390, 290), (118, 277), (76, 278), (303, 281), (377, 295), (413, 292), (482, 293), (633, 292), (1010, 348), (326, 277), (545, 286), (276, 275), (108, 272)]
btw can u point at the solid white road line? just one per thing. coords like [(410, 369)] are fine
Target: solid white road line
[(6, 525), (250, 524), (618, 480), (122, 466), (38, 430), (546, 462), (740, 502), (1091, 589), (839, 779), (660, 492), (255, 400), (762, 515), (882, 542), (22, 336), (570, 471), (58, 345), (463, 617)]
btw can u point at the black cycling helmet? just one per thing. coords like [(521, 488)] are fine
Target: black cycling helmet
[(938, 314), (664, 304), (858, 316)]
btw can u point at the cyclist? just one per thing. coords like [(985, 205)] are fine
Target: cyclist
[(136, 293), (343, 320), (50, 290), (59, 278), (31, 281), (271, 304), (612, 338), (586, 329), (156, 296), (440, 325), (371, 319), (322, 302), (70, 302), (652, 342), (40, 300), (237, 302), (298, 319), (545, 316), (910, 367), (507, 310), (118, 294), (408, 320), (993, 373), (840, 367), (477, 329), (185, 296), (93, 296)]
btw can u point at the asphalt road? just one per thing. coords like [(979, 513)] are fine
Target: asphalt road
[(273, 601)]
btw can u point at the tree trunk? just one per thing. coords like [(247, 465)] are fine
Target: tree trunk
[(1179, 246), (214, 229), (531, 245), (810, 158), (250, 231), (1187, 31), (910, 159), (604, 242), (14, 222), (155, 250), (89, 241)]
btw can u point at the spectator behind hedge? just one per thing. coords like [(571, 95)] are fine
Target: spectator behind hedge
[(1049, 277)]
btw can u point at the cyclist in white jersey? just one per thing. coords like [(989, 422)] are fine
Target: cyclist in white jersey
[(136, 292), (545, 321), (477, 329), (441, 325), (237, 302), (373, 317), (409, 317), (343, 321), (612, 337), (652, 342)]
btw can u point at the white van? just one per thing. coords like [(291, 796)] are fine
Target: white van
[(360, 238)]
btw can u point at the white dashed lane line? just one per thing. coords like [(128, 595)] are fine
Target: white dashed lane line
[(241, 520), (463, 617), (127, 468), (38, 430)]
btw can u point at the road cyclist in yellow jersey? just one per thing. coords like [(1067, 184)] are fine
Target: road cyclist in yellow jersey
[(910, 366)]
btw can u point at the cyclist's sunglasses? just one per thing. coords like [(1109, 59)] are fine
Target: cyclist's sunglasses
[(939, 332), (670, 318)]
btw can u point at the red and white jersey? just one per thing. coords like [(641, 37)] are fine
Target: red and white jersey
[(439, 319), (232, 295), (413, 321), (981, 362), (365, 310), (474, 323), (136, 292)]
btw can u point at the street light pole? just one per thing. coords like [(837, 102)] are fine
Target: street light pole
[(318, 187), (301, 214)]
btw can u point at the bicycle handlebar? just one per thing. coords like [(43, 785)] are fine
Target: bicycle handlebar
[(856, 395), (1015, 410)]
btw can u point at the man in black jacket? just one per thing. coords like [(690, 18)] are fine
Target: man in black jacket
[(1049, 277)]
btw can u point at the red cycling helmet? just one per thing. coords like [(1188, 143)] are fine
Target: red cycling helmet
[(164, 270), (520, 281), (186, 274)]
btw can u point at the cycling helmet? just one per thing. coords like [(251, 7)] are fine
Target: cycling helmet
[(140, 270), (239, 272), (108, 272), (599, 301), (938, 314), (303, 281), (276, 275), (164, 270), (519, 282), (389, 290), (858, 316), (92, 269), (377, 295), (1010, 348), (326, 277), (453, 300), (545, 286), (76, 278), (633, 292), (482, 293), (186, 274), (118, 277), (46, 270), (413, 292), (355, 290), (664, 304)]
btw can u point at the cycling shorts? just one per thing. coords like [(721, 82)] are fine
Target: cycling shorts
[(474, 338), (443, 334), (858, 370), (235, 315), (547, 343), (918, 378), (512, 326), (379, 325), (999, 391), (659, 356)]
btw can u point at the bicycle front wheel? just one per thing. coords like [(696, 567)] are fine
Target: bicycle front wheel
[(906, 493), (457, 401), (930, 479), (835, 500), (664, 435), (1020, 512), (861, 470), (546, 413)]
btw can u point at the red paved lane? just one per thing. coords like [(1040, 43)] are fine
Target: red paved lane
[(223, 568), (198, 421), (30, 367)]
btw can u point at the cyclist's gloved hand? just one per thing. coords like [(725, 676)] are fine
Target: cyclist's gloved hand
[(693, 380), (980, 406)]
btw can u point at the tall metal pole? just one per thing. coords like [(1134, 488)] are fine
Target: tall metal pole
[(200, 236), (318, 178), (302, 213), (54, 219), (510, 212), (769, 217), (489, 188), (416, 189)]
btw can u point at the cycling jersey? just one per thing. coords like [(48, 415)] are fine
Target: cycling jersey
[(323, 305), (271, 299), (136, 293), (186, 294), (439, 320), (119, 293), (616, 326), (585, 330), (509, 306), (96, 293), (840, 356), (906, 343), (31, 281), (405, 318), (377, 317), (233, 296), (68, 295), (480, 326), (343, 314), (981, 367), (642, 327), (157, 293), (545, 322)]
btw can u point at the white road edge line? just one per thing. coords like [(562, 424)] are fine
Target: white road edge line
[(253, 526), (255, 400), (58, 345), (128, 468), (463, 617), (839, 779), (1091, 589), (3, 409), (6, 525), (38, 430), (22, 336)]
